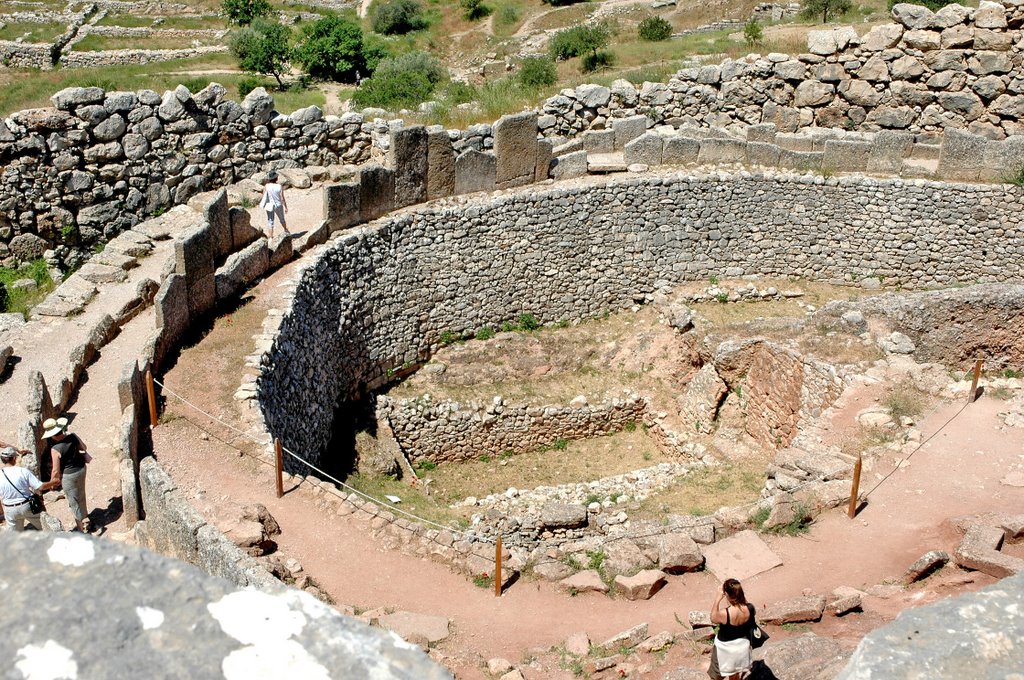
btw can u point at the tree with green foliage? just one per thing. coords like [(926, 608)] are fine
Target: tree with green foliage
[(473, 10), (537, 72), (753, 34), (263, 48), (825, 9), (654, 29), (579, 40), (244, 12), (332, 48), (398, 17)]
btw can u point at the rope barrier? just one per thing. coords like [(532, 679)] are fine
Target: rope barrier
[(493, 540)]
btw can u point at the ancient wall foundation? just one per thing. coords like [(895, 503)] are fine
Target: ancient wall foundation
[(380, 297)]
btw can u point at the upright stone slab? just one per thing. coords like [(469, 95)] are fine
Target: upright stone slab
[(242, 230), (341, 205), (172, 309), (515, 146), (545, 152), (376, 192), (680, 151), (475, 171), (722, 151), (763, 154), (888, 150), (216, 213), (627, 129), (846, 156), (440, 165), (193, 259), (407, 156), (646, 149), (570, 165), (962, 155)]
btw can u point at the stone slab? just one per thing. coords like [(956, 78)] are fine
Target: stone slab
[(626, 130), (440, 165), (515, 146), (376, 192), (407, 156), (341, 205), (739, 556), (475, 171), (411, 624), (569, 166)]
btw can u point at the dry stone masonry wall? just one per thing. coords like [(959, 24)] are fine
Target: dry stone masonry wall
[(379, 298), (925, 72)]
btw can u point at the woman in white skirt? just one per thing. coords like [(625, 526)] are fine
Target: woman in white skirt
[(274, 203), (731, 657)]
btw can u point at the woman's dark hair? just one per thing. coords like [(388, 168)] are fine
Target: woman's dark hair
[(734, 591), (272, 175)]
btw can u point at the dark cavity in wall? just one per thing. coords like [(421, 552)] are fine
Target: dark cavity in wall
[(341, 457)]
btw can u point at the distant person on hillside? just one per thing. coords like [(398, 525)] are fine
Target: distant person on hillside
[(274, 203), (731, 657), (18, 488), (69, 460)]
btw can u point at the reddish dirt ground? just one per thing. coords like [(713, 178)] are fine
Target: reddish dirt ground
[(956, 473)]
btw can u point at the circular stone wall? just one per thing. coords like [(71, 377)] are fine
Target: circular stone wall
[(380, 298)]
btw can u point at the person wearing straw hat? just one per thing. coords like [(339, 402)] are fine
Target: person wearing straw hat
[(18, 487), (69, 460)]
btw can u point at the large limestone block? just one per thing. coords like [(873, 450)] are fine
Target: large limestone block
[(860, 93), (242, 230), (376, 192), (680, 151), (515, 146), (171, 303), (215, 211), (628, 129), (563, 516), (646, 149), (795, 610), (679, 553), (882, 37), (641, 586), (545, 153), (801, 161), (822, 43), (411, 626), (765, 155), (341, 205), (813, 93), (846, 156), (922, 40), (990, 15), (193, 255), (888, 150), (979, 550), (714, 151), (599, 141), (475, 171), (407, 156), (569, 166), (913, 16), (588, 581), (440, 165)]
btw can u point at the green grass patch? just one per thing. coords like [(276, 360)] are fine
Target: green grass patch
[(413, 499), (95, 42), (32, 33), (508, 16), (22, 301)]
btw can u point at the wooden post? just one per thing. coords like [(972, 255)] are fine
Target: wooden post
[(497, 568), (974, 383), (278, 465), (151, 393), (855, 490)]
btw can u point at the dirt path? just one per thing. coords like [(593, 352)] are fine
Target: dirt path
[(956, 473)]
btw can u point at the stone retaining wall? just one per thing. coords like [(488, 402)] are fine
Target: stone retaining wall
[(447, 431), (380, 298), (926, 72)]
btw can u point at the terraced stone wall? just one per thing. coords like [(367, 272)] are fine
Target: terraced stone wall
[(380, 298)]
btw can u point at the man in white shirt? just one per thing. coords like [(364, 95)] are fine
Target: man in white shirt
[(16, 488)]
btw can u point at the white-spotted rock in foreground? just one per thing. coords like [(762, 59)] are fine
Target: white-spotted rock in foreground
[(150, 618), (49, 662), (71, 552)]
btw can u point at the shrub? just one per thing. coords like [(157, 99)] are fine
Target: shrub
[(485, 333), (263, 48), (332, 48), (473, 10), (654, 29), (1016, 176), (753, 34), (579, 40), (398, 17), (413, 62), (458, 92), (244, 12), (528, 322), (596, 61), (537, 72), (507, 15), (825, 9)]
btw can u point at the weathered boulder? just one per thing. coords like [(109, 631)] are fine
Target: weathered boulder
[(641, 586), (563, 516), (794, 610), (588, 581), (931, 561)]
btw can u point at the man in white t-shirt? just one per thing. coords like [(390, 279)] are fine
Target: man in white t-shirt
[(16, 488)]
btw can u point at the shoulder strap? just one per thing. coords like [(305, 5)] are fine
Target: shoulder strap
[(727, 615), (20, 493)]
